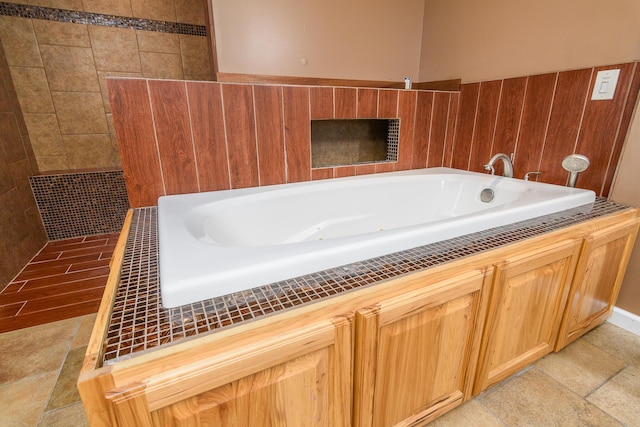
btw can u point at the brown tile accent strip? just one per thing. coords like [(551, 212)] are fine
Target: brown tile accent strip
[(139, 323), (81, 204), (62, 15)]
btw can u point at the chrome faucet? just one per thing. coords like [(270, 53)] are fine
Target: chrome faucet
[(506, 161)]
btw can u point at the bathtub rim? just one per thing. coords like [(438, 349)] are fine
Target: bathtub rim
[(272, 267)]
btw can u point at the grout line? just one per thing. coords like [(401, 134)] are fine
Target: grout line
[(53, 387), (607, 380), (65, 283), (495, 122), (475, 121), (546, 127), (522, 106), (27, 264), (24, 303), (44, 310), (583, 399)]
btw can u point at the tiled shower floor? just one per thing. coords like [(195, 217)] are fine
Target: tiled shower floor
[(64, 280)]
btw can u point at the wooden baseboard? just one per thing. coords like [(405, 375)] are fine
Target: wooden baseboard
[(443, 85)]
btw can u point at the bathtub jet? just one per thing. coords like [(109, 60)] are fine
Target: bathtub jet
[(216, 243)]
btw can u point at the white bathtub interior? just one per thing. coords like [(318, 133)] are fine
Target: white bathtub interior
[(212, 244)]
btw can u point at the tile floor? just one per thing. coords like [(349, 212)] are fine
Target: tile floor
[(39, 367), (65, 279), (593, 382)]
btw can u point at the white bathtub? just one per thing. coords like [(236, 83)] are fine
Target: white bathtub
[(216, 243)]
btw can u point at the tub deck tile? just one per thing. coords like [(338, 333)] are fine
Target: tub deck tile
[(139, 323)]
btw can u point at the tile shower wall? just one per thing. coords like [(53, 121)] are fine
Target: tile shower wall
[(80, 204), (59, 64), (180, 136), (21, 232), (542, 119)]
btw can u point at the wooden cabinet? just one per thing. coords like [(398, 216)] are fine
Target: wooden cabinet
[(400, 352), (293, 379), (528, 299), (596, 285), (415, 353)]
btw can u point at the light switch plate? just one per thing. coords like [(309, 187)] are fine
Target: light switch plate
[(605, 86)]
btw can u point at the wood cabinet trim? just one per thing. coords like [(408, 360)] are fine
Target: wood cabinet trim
[(571, 330), (566, 251), (422, 299), (197, 376), (371, 322)]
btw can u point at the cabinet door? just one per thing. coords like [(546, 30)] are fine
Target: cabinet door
[(301, 378), (599, 274), (529, 295), (415, 354)]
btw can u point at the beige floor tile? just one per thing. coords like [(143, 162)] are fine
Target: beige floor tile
[(22, 401), (84, 331), (72, 415), (616, 341), (534, 399), (620, 396), (581, 367), (35, 350), (65, 391), (470, 414)]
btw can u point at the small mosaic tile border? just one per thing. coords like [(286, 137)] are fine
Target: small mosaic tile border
[(81, 204), (392, 140), (75, 17), (139, 323)]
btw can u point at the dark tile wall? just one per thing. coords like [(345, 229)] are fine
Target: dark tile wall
[(21, 231), (178, 137), (544, 118), (81, 204)]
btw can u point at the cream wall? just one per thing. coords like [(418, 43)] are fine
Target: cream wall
[(625, 190), (353, 39), (492, 39)]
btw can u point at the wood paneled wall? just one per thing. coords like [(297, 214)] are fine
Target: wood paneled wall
[(542, 119), (180, 137), (184, 136)]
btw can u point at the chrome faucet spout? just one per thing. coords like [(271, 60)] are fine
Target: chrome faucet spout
[(506, 162)]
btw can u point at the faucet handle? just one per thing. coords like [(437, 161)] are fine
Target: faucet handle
[(526, 176)]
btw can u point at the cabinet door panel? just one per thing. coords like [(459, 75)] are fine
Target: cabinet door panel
[(596, 285), (529, 296), (419, 353), (298, 378), (292, 393)]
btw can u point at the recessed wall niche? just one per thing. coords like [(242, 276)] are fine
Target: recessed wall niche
[(353, 141)]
